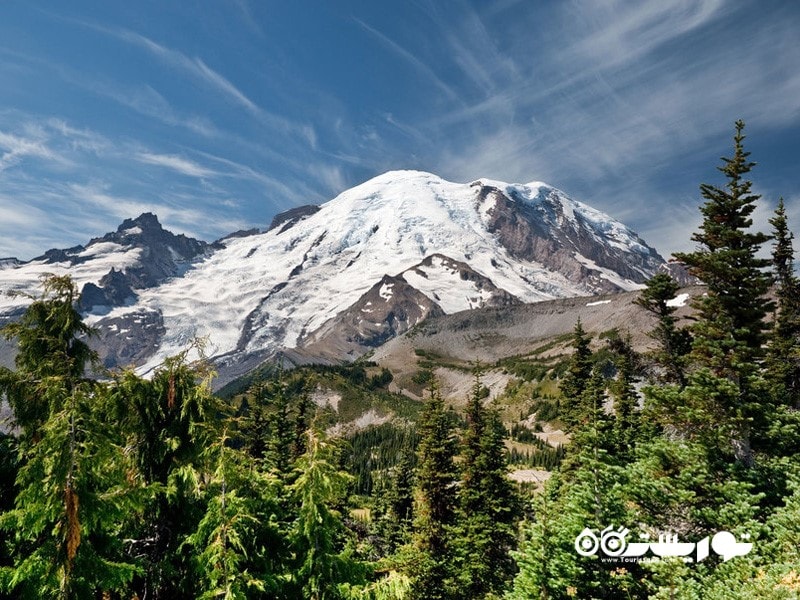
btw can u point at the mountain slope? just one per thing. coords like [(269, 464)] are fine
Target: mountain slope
[(308, 279)]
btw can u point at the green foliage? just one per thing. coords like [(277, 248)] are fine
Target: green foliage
[(575, 381), (237, 537), (372, 452), (674, 343), (433, 575), (488, 505), (72, 498), (322, 563), (51, 356), (423, 377), (542, 456), (726, 260), (783, 354)]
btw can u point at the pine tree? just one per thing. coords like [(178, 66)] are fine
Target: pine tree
[(783, 356), (735, 306), (488, 506), (432, 569), (577, 376), (729, 333), (674, 343)]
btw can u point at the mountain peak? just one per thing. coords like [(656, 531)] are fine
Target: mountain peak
[(320, 273), (146, 221)]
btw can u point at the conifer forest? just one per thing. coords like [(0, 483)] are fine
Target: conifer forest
[(116, 485)]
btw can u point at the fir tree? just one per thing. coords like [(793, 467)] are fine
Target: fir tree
[(72, 500), (729, 334), (783, 356), (432, 569), (322, 561), (577, 376), (626, 413), (674, 343), (395, 507), (735, 305), (488, 508), (167, 421), (238, 549)]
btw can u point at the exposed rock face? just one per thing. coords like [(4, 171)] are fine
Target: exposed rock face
[(548, 231), (389, 308), (9, 263), (128, 340), (290, 217), (239, 234), (114, 289), (163, 253), (479, 291)]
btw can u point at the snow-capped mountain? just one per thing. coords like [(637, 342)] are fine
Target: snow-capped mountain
[(343, 276)]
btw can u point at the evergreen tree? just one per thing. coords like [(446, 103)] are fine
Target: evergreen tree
[(783, 356), (167, 422), (488, 507), (674, 343), (591, 494), (733, 311), (51, 355), (626, 413), (577, 376), (432, 568), (729, 334), (323, 563), (277, 418), (595, 427), (395, 506), (73, 496), (238, 548)]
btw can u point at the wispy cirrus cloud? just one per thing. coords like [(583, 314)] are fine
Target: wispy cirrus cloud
[(178, 164), (63, 185), (15, 147), (177, 216), (146, 100), (622, 32), (197, 68), (607, 106), (193, 66), (419, 65)]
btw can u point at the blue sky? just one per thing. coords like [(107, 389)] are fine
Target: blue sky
[(218, 114)]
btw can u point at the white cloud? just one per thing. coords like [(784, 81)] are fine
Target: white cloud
[(176, 163), (16, 147), (623, 32), (411, 59), (197, 68)]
